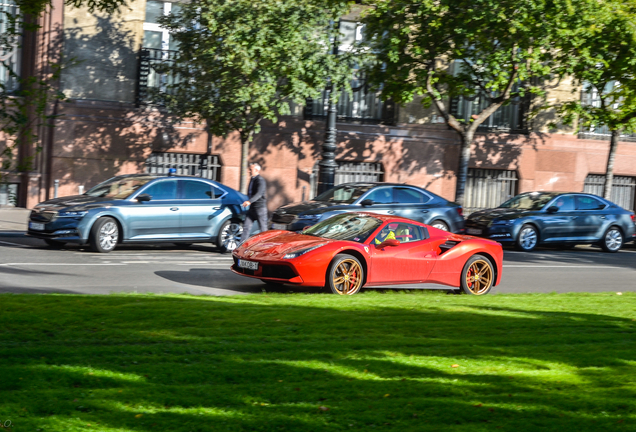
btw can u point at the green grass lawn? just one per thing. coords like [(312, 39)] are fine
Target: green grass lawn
[(296, 362)]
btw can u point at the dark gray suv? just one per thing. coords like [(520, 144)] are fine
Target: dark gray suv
[(384, 198)]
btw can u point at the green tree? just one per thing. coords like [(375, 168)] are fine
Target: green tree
[(447, 49), (598, 50), (240, 62)]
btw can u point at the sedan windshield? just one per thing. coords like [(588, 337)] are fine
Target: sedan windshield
[(343, 194), (528, 201), (345, 226), (119, 187)]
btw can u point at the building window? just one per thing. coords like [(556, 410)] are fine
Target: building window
[(349, 172), (10, 60), (590, 96), (488, 188), (206, 166), (8, 194), (623, 189)]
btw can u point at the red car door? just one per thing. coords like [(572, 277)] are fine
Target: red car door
[(409, 262)]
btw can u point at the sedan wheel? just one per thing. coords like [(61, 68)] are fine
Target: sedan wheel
[(613, 240), (229, 236), (439, 225), (478, 276), (345, 275), (104, 235), (528, 238)]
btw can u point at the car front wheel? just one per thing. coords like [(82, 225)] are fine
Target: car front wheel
[(229, 236), (478, 276), (345, 275), (528, 238), (104, 235), (612, 240)]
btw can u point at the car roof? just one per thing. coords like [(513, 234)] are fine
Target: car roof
[(374, 184), (157, 175)]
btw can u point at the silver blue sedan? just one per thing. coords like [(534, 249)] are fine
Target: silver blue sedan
[(142, 208)]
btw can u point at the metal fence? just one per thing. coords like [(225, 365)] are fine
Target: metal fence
[(362, 107), (348, 172), (623, 189), (206, 166), (488, 188)]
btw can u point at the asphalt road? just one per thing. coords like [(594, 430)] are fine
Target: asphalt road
[(28, 266)]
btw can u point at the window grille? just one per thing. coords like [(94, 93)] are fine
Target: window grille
[(363, 107), (590, 96), (206, 166), (623, 189), (8, 194), (10, 60), (147, 75), (349, 172), (488, 188)]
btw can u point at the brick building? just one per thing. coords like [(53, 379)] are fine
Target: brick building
[(105, 128)]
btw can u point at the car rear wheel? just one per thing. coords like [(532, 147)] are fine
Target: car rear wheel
[(612, 240), (528, 238), (440, 225), (55, 244), (104, 235), (229, 236), (478, 276), (345, 275)]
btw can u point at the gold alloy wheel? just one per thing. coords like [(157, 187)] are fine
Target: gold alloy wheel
[(479, 277), (347, 277)]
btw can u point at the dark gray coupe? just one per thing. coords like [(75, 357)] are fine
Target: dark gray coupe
[(564, 219), (403, 200), (143, 208)]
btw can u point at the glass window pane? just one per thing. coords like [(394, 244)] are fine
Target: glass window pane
[(381, 196), (347, 33), (193, 189), (565, 203), (588, 203), (164, 190), (154, 9), (152, 39), (408, 196)]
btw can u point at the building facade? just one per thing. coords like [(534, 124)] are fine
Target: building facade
[(106, 127)]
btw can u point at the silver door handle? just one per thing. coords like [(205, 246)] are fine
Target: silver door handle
[(391, 212), (216, 208), (174, 208), (603, 217), (424, 211)]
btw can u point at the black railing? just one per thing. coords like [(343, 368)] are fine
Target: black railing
[(508, 118), (148, 76), (362, 107)]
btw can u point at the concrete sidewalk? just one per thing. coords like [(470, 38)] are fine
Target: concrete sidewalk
[(13, 219)]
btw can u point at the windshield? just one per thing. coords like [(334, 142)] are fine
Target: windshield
[(345, 226), (529, 201), (343, 194), (119, 187)]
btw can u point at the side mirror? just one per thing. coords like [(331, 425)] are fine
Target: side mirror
[(390, 242), (367, 202), (552, 209), (144, 197)]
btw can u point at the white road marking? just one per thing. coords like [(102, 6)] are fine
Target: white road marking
[(58, 264), (587, 267), (15, 244)]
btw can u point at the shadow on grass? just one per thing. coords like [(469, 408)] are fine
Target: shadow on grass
[(313, 363)]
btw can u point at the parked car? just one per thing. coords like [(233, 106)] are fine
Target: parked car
[(143, 208), (562, 218), (403, 200), (352, 250)]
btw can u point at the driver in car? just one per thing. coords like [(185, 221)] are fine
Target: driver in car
[(387, 233)]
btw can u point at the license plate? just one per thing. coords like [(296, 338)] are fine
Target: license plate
[(473, 231), (279, 226), (36, 226), (250, 265)]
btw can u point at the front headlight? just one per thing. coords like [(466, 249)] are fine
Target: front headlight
[(501, 222), (300, 252), (76, 214), (309, 217)]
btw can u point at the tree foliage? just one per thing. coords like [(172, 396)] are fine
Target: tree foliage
[(243, 61), (446, 49), (597, 49)]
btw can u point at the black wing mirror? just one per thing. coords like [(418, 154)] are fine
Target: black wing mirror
[(552, 209), (144, 197), (367, 202)]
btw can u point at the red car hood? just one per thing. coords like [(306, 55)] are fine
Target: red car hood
[(278, 245)]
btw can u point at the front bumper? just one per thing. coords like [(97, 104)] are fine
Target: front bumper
[(271, 271), (498, 233), (67, 229)]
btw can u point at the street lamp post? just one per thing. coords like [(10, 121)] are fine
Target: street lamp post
[(327, 164)]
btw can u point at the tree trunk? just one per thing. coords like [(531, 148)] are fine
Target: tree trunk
[(210, 136), (462, 170), (245, 152), (609, 170)]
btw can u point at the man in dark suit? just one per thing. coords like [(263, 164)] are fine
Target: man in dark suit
[(257, 193)]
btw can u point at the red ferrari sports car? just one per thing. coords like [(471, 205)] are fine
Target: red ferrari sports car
[(352, 250)]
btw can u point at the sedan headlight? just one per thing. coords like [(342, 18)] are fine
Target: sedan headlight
[(501, 222), (300, 252), (309, 217), (76, 214)]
